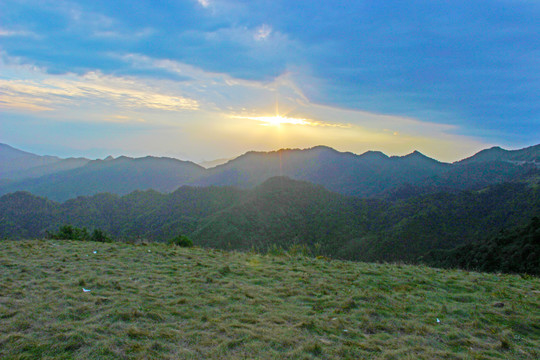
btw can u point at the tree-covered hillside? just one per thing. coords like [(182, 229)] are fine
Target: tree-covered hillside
[(514, 250), (283, 213)]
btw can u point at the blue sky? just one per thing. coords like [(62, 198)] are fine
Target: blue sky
[(204, 79)]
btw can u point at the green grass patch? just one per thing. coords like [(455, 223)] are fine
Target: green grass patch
[(169, 302)]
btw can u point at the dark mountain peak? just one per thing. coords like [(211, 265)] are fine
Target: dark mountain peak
[(14, 161), (321, 148), (374, 155), (8, 152), (496, 153), (318, 148), (416, 154), (253, 158), (491, 154), (418, 160), (109, 161)]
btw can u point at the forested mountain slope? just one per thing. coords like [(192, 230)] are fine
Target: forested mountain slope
[(283, 212)]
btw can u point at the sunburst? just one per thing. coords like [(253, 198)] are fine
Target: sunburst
[(277, 120)]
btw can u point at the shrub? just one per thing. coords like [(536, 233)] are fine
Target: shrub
[(181, 240), (68, 232), (100, 236)]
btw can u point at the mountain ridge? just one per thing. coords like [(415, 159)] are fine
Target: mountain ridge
[(371, 174), (527, 154)]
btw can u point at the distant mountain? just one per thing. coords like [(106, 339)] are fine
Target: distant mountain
[(119, 176), (13, 160), (17, 164), (530, 154), (39, 171), (357, 175), (372, 174), (213, 163)]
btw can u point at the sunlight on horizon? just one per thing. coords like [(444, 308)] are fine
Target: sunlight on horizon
[(278, 120), (186, 120)]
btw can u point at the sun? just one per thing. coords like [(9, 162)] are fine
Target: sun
[(277, 120)]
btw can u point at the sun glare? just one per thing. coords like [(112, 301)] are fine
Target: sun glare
[(277, 120), (280, 120)]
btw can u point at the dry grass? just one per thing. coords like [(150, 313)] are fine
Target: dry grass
[(158, 301)]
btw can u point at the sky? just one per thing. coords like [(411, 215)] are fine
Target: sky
[(208, 79)]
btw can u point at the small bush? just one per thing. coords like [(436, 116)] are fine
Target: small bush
[(100, 236), (68, 232), (181, 240)]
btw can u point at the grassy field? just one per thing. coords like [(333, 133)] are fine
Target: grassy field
[(159, 301)]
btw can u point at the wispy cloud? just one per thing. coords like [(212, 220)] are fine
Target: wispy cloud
[(446, 62), (13, 33), (262, 32), (204, 3), (54, 92)]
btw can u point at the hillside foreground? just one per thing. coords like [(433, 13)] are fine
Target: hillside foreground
[(161, 301)]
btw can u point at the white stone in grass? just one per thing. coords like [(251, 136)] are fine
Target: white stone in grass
[(86, 290)]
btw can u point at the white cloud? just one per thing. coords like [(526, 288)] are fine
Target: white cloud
[(204, 3), (10, 33), (262, 32), (55, 92)]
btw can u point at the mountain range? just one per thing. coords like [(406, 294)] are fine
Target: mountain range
[(372, 174), (368, 207)]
